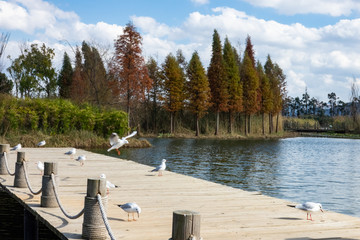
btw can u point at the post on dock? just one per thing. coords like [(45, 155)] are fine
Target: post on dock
[(186, 225), (20, 180), (93, 224), (3, 148), (48, 198)]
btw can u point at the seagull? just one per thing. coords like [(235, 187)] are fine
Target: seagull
[(108, 183), (42, 143), (309, 207), (16, 148), (131, 208), (81, 159), (116, 142), (40, 166), (71, 152), (160, 168)]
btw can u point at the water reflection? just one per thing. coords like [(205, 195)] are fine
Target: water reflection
[(297, 169)]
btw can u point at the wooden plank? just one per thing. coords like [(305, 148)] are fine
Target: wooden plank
[(226, 212)]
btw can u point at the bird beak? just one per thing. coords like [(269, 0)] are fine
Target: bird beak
[(321, 210), (138, 214)]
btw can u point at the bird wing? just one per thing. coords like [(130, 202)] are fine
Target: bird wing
[(131, 135), (114, 138)]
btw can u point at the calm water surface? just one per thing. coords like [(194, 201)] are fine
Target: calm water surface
[(323, 170)]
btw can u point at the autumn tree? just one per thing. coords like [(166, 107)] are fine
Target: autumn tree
[(250, 81), (129, 68), (173, 79), (155, 91), (235, 90), (217, 80), (65, 77), (198, 89), (266, 94), (78, 87)]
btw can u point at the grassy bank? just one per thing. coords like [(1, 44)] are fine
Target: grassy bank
[(75, 138)]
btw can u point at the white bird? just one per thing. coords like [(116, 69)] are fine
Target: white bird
[(71, 152), (16, 148), (108, 183), (131, 208), (160, 168), (40, 166), (42, 143), (81, 159), (117, 143), (309, 207)]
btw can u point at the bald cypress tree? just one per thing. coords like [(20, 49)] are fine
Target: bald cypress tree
[(198, 89), (217, 80), (235, 90)]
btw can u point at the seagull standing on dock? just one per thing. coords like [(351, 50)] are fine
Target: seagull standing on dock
[(131, 208), (117, 143), (40, 166), (71, 153), (81, 159), (108, 183), (16, 148), (309, 207), (42, 143), (160, 168)]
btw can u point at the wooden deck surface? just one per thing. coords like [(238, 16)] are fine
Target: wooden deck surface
[(226, 213)]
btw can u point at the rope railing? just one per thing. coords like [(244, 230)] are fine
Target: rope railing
[(59, 203), (6, 164), (28, 183), (104, 217)]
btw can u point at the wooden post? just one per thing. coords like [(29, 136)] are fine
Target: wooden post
[(19, 180), (3, 148), (48, 198), (93, 224), (186, 225)]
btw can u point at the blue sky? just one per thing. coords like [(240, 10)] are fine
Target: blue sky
[(317, 45)]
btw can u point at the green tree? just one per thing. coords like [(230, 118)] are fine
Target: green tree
[(217, 79), (34, 73), (266, 94), (129, 68), (6, 85), (235, 90), (173, 85), (198, 89), (65, 77)]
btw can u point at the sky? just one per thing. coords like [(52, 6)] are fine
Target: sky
[(316, 45)]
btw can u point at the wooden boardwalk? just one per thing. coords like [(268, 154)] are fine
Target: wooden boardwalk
[(226, 213)]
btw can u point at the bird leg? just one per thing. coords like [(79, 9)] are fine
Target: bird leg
[(133, 217), (129, 217), (118, 151), (160, 173), (307, 216)]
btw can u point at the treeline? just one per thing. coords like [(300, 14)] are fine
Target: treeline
[(232, 93), (57, 116)]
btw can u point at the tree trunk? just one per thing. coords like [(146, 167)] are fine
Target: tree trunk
[(270, 123), (245, 123), (197, 126), (277, 123), (249, 124), (171, 122), (217, 123), (230, 122), (263, 123)]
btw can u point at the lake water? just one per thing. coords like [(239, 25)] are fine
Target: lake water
[(324, 170)]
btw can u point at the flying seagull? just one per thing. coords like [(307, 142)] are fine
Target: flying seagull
[(117, 143), (42, 143), (71, 152), (160, 168), (81, 159), (16, 148), (309, 207), (131, 208)]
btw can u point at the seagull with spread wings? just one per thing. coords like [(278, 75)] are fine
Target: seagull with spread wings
[(116, 142)]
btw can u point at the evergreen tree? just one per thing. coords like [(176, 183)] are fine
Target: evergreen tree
[(65, 77), (173, 85), (235, 90), (198, 89), (6, 85), (78, 89), (217, 80), (266, 94)]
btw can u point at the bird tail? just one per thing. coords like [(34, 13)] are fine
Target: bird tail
[(291, 205), (116, 186), (110, 149)]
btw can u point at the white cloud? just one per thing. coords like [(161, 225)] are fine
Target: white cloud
[(327, 7), (200, 2)]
